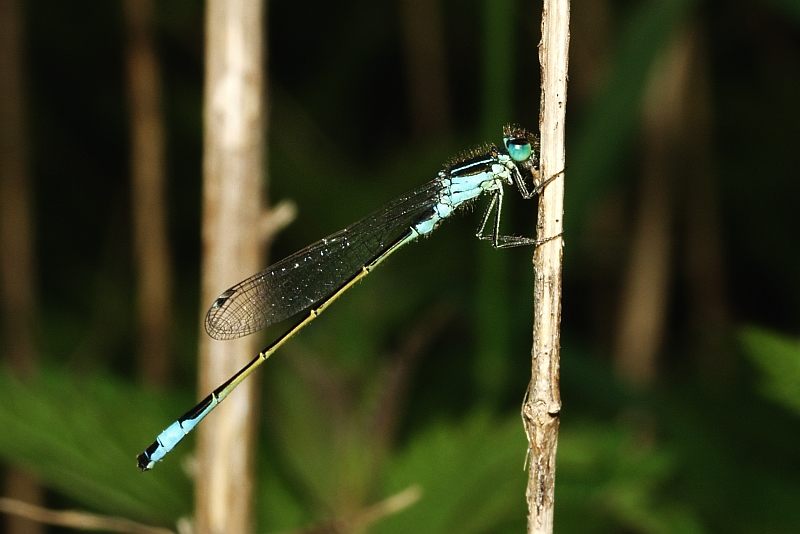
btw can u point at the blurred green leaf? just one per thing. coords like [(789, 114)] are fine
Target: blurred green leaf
[(609, 478), (778, 359), (470, 473), (81, 435)]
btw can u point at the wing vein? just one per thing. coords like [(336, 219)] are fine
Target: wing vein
[(306, 277)]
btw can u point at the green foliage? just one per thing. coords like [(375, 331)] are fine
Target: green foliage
[(470, 474), (81, 435), (777, 357), (609, 477)]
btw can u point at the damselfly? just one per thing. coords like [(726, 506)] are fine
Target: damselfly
[(314, 277)]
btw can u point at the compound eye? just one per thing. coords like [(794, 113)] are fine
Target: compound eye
[(519, 149)]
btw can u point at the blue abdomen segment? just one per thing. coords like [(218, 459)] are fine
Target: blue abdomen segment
[(174, 433), (427, 225)]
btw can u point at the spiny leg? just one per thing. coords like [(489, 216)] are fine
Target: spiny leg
[(537, 189), (479, 234), (505, 241)]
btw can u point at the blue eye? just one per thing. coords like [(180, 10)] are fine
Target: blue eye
[(519, 149)]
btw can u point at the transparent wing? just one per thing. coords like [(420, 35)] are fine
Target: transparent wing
[(299, 281)]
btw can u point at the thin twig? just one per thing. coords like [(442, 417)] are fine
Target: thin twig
[(76, 519), (275, 219), (371, 514), (540, 412), (389, 506)]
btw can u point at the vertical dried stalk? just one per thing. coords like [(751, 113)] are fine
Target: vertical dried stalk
[(424, 53), (644, 302), (706, 269), (234, 122), (148, 206), (16, 223), (18, 258), (540, 412)]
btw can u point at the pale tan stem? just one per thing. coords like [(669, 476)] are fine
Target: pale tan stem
[(542, 407), (234, 115)]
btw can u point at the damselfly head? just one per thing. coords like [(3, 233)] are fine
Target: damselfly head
[(521, 145)]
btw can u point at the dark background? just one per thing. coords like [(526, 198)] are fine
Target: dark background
[(701, 437)]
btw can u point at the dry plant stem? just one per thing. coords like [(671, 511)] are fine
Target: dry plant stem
[(368, 516), (233, 164), (540, 412), (387, 507), (154, 276), (706, 268), (75, 519), (18, 258), (18, 294), (644, 302), (275, 219), (424, 54)]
